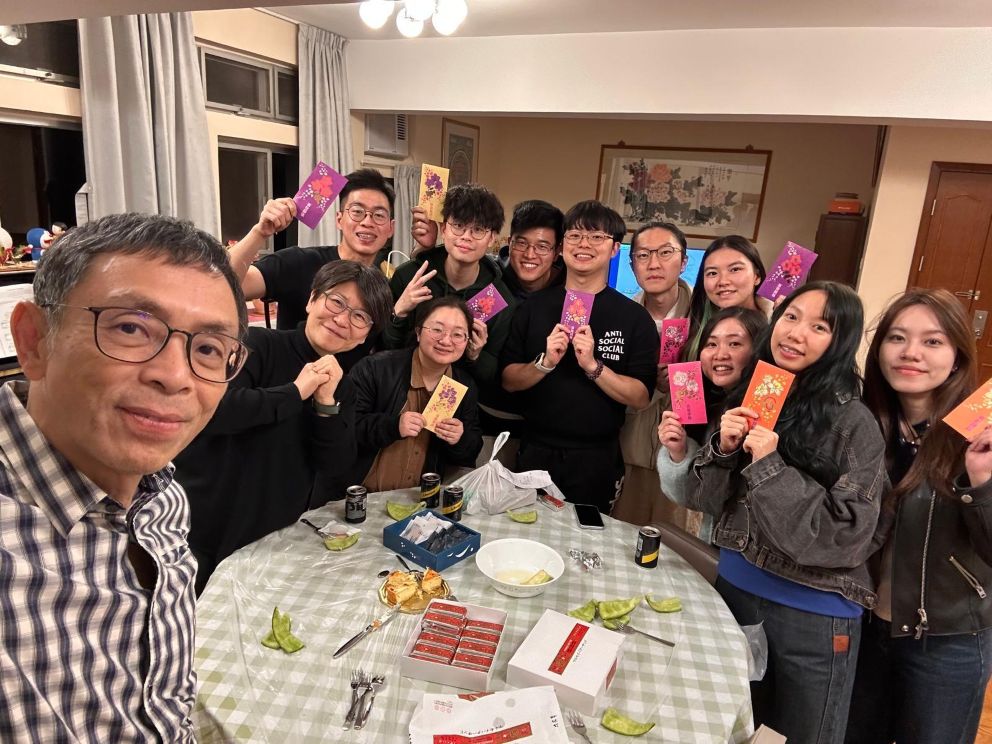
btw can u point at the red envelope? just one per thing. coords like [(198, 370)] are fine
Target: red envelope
[(674, 334), (973, 415), (767, 392), (685, 381)]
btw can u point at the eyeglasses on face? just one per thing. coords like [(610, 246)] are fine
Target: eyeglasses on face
[(135, 336), (336, 304), (541, 248), (595, 239), (357, 213), (458, 229), (437, 332), (643, 255)]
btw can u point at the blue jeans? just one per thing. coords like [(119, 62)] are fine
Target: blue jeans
[(811, 662), (918, 692)]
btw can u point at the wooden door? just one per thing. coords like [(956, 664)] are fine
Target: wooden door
[(953, 245)]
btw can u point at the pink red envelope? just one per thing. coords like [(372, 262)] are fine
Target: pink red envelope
[(317, 194), (674, 334), (576, 310), (973, 415), (766, 393), (685, 382), (487, 303), (789, 271)]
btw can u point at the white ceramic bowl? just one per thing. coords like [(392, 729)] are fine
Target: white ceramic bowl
[(507, 562)]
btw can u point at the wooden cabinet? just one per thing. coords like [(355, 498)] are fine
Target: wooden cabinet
[(840, 244)]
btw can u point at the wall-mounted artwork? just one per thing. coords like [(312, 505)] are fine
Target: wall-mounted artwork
[(708, 193), (460, 151)]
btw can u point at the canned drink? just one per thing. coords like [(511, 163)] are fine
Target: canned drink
[(648, 547), (354, 504), (430, 489), (452, 500)]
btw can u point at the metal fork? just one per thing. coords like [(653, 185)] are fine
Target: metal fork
[(576, 722), (358, 680), (623, 627)]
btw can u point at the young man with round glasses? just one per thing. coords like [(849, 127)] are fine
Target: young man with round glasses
[(366, 223), (133, 334), (575, 391), (281, 440)]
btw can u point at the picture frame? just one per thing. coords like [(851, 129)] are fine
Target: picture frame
[(460, 151), (707, 192)]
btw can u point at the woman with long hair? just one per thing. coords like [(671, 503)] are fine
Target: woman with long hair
[(729, 276), (925, 650), (797, 508), (728, 339)]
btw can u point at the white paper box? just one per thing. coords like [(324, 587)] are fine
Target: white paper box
[(765, 735), (578, 659), (445, 674)]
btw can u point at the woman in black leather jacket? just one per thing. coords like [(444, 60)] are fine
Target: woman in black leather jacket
[(926, 652), (389, 391)]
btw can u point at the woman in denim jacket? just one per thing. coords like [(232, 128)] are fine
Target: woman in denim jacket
[(926, 651), (797, 509)]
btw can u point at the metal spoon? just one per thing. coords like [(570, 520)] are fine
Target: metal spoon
[(403, 562)]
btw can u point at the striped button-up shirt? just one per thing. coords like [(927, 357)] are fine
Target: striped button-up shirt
[(86, 653)]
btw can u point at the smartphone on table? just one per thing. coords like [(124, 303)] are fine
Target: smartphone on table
[(588, 517)]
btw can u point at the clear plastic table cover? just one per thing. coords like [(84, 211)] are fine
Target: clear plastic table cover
[(696, 692)]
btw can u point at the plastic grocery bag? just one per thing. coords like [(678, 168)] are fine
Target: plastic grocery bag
[(757, 651), (492, 489)]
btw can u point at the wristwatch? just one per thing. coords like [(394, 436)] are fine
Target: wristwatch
[(594, 375), (539, 363), (331, 410)]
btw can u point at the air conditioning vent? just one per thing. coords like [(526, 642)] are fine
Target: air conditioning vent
[(386, 135)]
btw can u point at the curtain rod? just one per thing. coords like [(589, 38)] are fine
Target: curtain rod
[(280, 16)]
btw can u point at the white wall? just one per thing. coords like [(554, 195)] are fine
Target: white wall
[(852, 73)]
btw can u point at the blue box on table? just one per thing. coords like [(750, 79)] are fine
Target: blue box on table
[(423, 557)]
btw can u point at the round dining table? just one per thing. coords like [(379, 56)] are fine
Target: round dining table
[(697, 691)]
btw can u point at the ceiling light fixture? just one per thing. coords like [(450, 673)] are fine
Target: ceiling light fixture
[(446, 15), (13, 35)]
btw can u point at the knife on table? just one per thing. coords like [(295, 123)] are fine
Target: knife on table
[(371, 627)]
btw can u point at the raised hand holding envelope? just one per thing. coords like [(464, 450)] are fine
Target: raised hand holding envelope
[(486, 303), (766, 393), (433, 187), (576, 311), (444, 402), (685, 382), (974, 414), (317, 194)]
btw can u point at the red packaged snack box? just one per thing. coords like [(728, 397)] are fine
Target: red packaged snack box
[(479, 647), (438, 639), (452, 609), (472, 661), (482, 625), (444, 619), (434, 652), (480, 635), (423, 656)]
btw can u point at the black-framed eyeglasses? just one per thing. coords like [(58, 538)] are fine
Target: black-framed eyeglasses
[(574, 237), (357, 213), (135, 336), (643, 255), (476, 231), (541, 248), (336, 304)]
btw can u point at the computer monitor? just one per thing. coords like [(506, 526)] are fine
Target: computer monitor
[(622, 275)]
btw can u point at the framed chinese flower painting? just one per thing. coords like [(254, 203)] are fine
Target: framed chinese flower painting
[(460, 151), (707, 192)]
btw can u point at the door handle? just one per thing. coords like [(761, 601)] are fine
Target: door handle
[(970, 294), (978, 322)]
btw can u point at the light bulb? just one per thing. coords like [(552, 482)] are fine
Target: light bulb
[(407, 25), (375, 13), (13, 35), (420, 10), (449, 16)]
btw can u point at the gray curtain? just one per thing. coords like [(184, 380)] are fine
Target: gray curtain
[(325, 116), (406, 181), (144, 122)]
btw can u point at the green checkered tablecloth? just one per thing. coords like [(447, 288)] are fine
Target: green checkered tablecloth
[(696, 692)]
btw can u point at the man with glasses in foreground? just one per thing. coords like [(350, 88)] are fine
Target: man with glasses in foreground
[(575, 391), (128, 346), (281, 439)]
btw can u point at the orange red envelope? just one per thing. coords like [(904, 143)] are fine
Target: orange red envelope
[(971, 417), (444, 402), (767, 392), (433, 187)]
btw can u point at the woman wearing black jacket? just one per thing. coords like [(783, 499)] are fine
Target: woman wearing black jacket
[(389, 391), (926, 652)]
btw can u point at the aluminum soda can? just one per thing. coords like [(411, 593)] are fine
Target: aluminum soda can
[(430, 489), (452, 500), (355, 501), (648, 547)]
